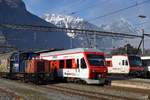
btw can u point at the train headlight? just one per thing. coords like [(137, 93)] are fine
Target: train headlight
[(93, 71), (99, 76)]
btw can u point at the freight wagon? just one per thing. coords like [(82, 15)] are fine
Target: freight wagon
[(125, 65), (25, 66), (78, 65)]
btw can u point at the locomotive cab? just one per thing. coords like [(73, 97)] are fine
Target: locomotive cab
[(136, 67), (96, 63), (91, 68)]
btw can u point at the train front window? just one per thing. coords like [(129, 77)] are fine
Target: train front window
[(135, 61), (96, 60)]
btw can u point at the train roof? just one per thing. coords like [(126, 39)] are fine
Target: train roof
[(48, 50), (110, 56), (70, 51), (145, 57)]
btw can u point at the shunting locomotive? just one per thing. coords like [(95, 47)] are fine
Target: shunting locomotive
[(25, 66)]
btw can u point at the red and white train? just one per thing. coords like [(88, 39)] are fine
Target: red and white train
[(125, 64), (80, 64)]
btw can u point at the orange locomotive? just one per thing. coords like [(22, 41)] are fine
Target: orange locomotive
[(39, 71), (26, 66)]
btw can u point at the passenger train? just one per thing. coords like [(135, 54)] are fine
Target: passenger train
[(78, 65), (125, 65), (146, 64)]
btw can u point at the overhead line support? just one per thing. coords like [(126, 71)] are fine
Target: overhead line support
[(69, 30)]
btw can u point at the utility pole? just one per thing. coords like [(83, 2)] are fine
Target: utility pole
[(126, 48), (35, 37), (95, 44), (71, 43), (142, 16), (143, 41)]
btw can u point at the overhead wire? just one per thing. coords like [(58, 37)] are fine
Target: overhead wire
[(146, 22), (78, 11), (70, 6), (119, 10), (69, 30)]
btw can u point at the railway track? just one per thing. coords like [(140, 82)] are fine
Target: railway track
[(88, 94), (135, 90), (13, 95), (73, 89)]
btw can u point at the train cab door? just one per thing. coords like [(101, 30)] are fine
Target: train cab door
[(83, 71), (14, 63), (77, 67), (125, 66)]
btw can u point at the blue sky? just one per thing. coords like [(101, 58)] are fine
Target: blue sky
[(90, 9)]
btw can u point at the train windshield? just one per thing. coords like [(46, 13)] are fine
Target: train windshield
[(135, 61), (96, 60)]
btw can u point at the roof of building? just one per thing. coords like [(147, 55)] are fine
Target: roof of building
[(145, 57)]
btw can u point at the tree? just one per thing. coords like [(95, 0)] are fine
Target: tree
[(127, 49)]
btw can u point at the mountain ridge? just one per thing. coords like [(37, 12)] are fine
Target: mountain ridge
[(14, 12), (119, 26)]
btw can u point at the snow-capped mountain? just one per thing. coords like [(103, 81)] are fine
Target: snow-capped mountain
[(69, 21), (120, 25), (77, 23)]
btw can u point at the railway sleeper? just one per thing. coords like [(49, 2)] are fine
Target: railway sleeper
[(75, 80), (38, 78)]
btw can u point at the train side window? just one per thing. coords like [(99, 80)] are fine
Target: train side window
[(69, 63), (40, 66), (77, 63), (49, 66), (16, 58), (144, 63), (61, 63), (123, 62), (83, 64), (148, 63), (126, 62)]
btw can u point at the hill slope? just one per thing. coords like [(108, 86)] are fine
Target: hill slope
[(14, 12)]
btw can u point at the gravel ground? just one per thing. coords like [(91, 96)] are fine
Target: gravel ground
[(129, 79), (101, 89), (34, 92), (4, 96), (140, 80)]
